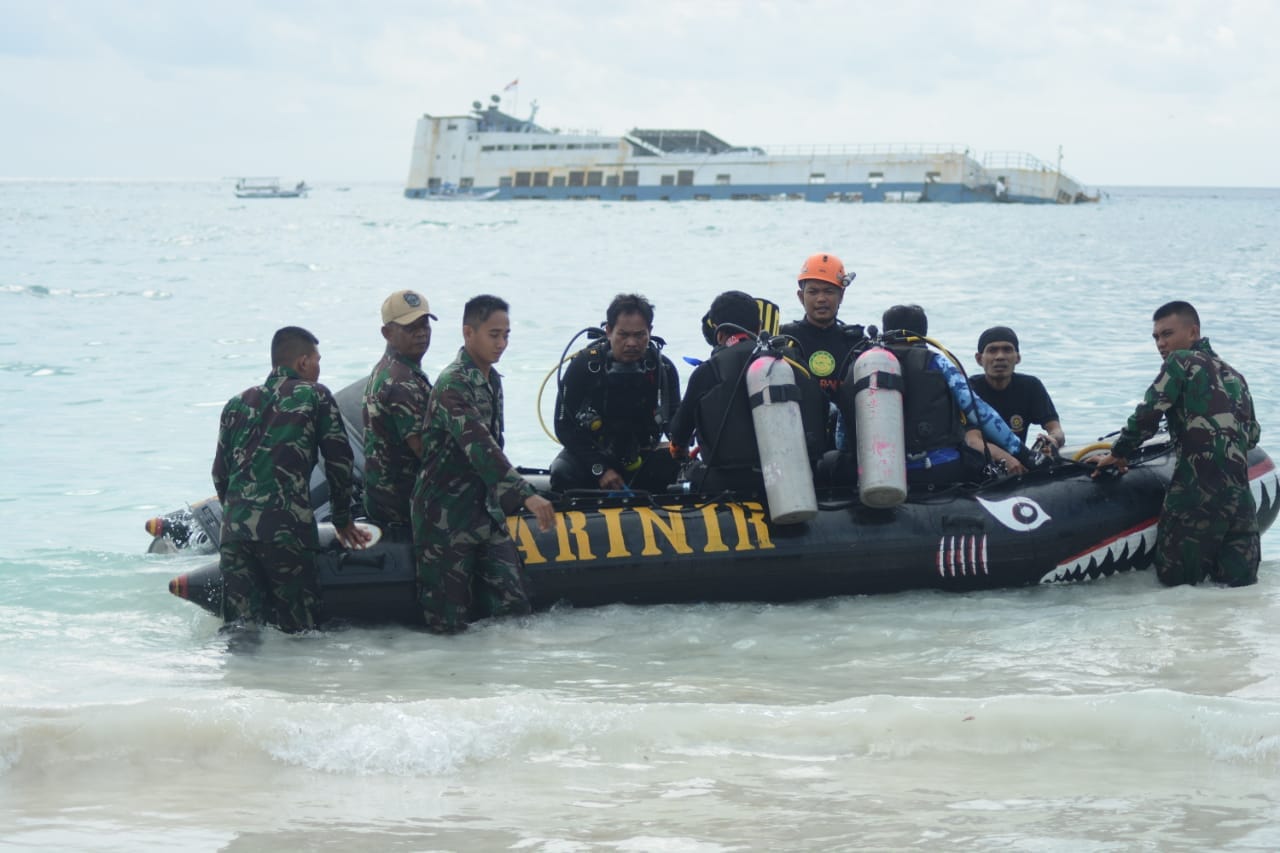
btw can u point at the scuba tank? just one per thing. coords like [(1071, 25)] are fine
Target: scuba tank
[(877, 406), (779, 428)]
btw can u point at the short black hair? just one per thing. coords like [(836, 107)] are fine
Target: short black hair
[(480, 308), (629, 303), (910, 318), (737, 308), (1185, 310), (289, 343)]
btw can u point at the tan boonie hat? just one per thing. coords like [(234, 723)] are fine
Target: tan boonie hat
[(405, 306)]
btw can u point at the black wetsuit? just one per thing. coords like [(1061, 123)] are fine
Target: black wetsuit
[(613, 415)]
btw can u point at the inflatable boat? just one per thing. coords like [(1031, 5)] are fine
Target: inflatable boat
[(1051, 525)]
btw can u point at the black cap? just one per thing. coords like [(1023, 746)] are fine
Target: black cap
[(997, 333)]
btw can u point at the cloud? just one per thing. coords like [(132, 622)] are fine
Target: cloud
[(332, 89)]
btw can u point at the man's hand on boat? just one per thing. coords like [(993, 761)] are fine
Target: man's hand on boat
[(352, 536), (543, 510), (1101, 463), (611, 481)]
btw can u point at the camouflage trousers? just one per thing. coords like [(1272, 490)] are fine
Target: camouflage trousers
[(1215, 539), (266, 583), (467, 573)]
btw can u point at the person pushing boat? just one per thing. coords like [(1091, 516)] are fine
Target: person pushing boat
[(1209, 522), (466, 485), (394, 409)]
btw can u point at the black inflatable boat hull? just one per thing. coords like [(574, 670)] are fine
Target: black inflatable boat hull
[(1050, 526)]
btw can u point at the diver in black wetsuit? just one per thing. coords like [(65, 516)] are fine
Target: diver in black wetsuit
[(613, 407)]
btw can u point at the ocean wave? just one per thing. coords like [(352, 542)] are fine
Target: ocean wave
[(34, 369), (444, 737)]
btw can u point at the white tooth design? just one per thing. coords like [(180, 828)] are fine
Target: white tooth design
[(1121, 553), (1265, 487)]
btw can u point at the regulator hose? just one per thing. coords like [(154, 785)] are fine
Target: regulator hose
[(592, 332)]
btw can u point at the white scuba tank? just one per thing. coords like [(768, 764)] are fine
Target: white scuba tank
[(877, 407), (784, 458)]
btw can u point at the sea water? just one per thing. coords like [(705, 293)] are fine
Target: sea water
[(1114, 715)]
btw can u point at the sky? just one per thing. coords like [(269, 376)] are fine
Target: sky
[(1168, 93)]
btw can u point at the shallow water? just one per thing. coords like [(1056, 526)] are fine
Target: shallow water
[(1107, 716)]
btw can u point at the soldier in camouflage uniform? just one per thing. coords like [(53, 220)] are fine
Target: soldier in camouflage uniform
[(268, 438), (466, 485), (1209, 525), (395, 407)]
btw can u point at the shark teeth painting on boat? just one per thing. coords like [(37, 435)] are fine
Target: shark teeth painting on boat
[(1134, 548), (1264, 482), (1130, 549)]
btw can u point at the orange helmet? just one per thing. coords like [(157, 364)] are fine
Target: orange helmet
[(823, 266)]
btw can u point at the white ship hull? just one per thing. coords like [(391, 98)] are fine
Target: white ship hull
[(490, 152)]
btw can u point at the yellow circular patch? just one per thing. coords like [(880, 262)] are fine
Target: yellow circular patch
[(1017, 423), (822, 363)]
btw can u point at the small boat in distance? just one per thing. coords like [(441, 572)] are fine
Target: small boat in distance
[(269, 188)]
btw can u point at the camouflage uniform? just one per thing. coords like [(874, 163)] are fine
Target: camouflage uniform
[(268, 438), (1209, 524), (463, 488), (395, 403)]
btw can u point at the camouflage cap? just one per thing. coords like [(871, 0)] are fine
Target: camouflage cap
[(405, 306)]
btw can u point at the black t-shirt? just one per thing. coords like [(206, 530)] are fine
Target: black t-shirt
[(1023, 403)]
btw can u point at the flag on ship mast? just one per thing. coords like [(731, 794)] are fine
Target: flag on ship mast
[(515, 104)]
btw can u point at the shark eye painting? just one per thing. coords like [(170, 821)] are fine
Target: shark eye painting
[(1021, 515)]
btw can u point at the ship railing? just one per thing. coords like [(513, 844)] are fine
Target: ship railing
[(874, 148), (996, 160), (1015, 167)]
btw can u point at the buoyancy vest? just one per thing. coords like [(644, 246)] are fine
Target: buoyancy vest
[(724, 425), (632, 401), (930, 417)]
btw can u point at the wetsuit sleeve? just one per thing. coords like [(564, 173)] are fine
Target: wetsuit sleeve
[(978, 414), (673, 382), (686, 419), (339, 462), (1162, 395), (460, 417)]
